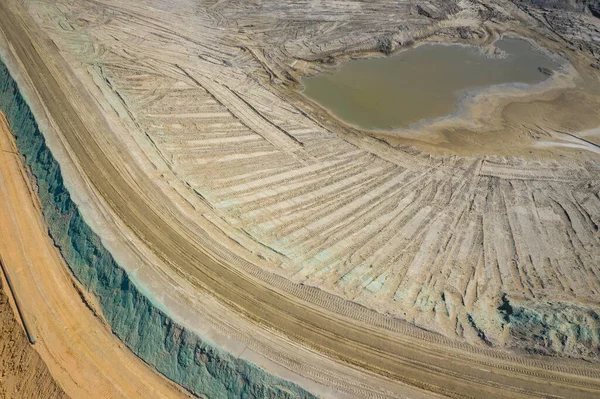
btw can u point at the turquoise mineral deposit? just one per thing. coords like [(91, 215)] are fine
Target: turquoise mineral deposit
[(197, 365)]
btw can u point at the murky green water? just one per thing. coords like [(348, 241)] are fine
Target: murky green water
[(421, 83)]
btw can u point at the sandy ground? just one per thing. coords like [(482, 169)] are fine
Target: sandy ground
[(78, 349), (192, 146), (23, 373)]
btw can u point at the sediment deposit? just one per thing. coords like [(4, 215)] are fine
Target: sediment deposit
[(461, 261)]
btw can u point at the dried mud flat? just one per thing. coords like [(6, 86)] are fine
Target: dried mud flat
[(187, 137)]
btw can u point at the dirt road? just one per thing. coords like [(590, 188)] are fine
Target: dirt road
[(80, 351)]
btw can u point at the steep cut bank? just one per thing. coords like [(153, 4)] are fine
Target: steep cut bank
[(181, 356), (23, 374), (78, 348)]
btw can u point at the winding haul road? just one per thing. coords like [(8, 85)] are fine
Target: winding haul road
[(78, 348), (369, 341)]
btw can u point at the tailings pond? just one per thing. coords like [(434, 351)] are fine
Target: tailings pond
[(421, 83)]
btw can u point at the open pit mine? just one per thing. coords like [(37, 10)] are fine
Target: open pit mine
[(300, 199)]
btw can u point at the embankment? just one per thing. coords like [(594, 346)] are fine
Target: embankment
[(185, 358)]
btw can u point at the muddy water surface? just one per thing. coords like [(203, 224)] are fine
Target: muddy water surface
[(422, 83)]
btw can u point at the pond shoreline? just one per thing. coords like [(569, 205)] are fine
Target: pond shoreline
[(337, 90)]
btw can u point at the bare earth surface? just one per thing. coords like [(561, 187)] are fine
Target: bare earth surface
[(79, 350), (463, 259), (23, 373)]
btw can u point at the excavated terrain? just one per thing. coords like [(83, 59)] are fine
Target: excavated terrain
[(439, 242), (244, 210)]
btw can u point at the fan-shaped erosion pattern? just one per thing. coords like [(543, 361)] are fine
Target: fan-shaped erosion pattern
[(181, 356)]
